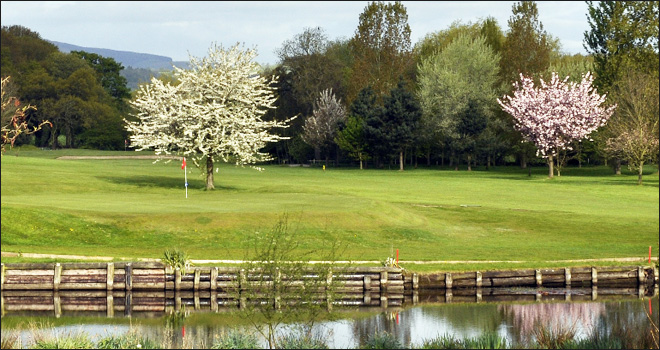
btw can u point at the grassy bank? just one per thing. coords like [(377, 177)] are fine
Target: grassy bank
[(134, 208)]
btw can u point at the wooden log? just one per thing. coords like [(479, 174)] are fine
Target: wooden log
[(214, 282), (128, 279), (79, 286), (110, 276), (508, 274), (594, 277), (196, 280), (39, 272), (57, 276), (513, 282), (177, 279), (2, 276), (148, 272)]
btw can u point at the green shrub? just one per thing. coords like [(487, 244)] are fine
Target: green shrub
[(301, 341), (235, 339), (176, 258), (485, 341), (382, 340), (130, 340), (67, 341), (442, 342)]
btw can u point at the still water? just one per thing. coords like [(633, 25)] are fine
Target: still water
[(514, 320)]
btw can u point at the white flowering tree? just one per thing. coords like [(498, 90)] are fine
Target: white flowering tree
[(320, 128), (214, 113), (557, 113)]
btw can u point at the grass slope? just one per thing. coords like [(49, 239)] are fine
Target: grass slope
[(134, 208)]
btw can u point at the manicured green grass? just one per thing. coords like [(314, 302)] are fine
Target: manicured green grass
[(134, 208)]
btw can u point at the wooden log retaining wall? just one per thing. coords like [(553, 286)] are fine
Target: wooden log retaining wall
[(156, 276)]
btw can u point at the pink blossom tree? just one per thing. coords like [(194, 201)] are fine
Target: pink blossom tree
[(555, 114)]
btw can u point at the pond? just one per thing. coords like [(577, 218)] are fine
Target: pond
[(432, 316)]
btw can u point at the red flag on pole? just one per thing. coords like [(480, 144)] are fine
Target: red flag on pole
[(183, 165)]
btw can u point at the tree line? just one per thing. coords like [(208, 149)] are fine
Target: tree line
[(377, 100)]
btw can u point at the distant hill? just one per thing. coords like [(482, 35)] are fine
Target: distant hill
[(126, 58)]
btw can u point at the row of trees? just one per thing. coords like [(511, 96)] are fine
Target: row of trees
[(456, 75), (374, 97)]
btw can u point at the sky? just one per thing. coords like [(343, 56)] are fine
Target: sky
[(180, 29)]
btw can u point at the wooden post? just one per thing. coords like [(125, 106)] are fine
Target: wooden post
[(448, 296), (367, 290), (479, 280), (196, 280), (479, 297), (655, 275), (57, 304), (214, 301), (278, 285), (128, 270), (242, 285), (57, 276), (196, 299), (641, 291), (567, 277), (177, 279), (640, 275), (415, 281), (568, 295), (594, 277), (214, 281), (383, 282), (594, 292), (448, 280), (110, 304), (539, 278), (110, 272), (2, 277), (128, 304), (328, 291), (383, 300), (538, 296)]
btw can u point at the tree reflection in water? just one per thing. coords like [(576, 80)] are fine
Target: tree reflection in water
[(525, 318)]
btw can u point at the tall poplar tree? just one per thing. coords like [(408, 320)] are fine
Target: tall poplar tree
[(382, 48)]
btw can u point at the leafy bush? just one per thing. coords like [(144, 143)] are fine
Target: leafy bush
[(176, 258), (68, 341)]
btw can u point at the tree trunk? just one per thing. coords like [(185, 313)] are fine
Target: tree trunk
[(360, 157), (209, 173), (488, 162), (428, 158), (469, 156), (617, 166), (53, 136), (639, 173), (551, 171), (523, 161), (400, 160)]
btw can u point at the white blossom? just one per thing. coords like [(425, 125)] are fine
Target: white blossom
[(215, 111)]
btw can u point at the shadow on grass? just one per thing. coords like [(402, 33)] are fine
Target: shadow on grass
[(160, 182)]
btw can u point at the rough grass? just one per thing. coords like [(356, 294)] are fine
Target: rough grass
[(134, 208)]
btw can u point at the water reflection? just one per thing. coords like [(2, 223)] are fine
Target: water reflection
[(411, 324)]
